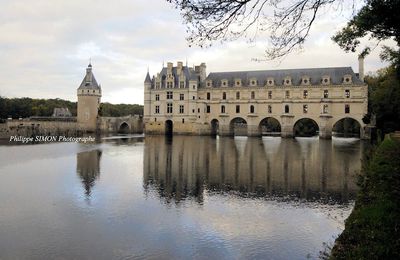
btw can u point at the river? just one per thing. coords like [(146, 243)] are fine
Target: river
[(176, 198)]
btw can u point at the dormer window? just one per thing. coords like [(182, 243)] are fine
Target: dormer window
[(325, 80), (209, 83), (305, 80), (270, 81), (224, 83), (287, 81), (253, 82), (347, 79), (238, 82)]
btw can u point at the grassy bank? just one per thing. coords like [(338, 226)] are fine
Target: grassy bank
[(372, 231)]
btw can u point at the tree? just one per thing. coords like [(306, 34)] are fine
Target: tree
[(379, 20), (385, 99), (288, 22)]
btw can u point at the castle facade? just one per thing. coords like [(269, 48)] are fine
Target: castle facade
[(185, 100)]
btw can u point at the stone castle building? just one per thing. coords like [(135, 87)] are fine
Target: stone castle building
[(87, 120), (185, 100), (89, 95)]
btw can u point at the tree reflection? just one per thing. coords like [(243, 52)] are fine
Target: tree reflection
[(308, 169), (88, 169)]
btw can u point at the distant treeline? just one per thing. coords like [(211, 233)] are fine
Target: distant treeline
[(27, 107)]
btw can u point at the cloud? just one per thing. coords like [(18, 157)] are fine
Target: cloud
[(46, 45)]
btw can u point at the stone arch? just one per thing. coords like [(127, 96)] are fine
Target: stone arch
[(306, 127), (214, 127), (270, 126), (169, 127), (124, 128), (347, 127), (238, 126)]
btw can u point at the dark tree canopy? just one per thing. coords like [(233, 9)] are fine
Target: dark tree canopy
[(288, 22)]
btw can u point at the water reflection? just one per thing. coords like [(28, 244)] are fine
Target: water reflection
[(88, 168), (285, 169)]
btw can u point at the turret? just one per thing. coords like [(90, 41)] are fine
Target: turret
[(89, 95)]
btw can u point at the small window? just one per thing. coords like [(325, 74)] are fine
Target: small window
[(305, 109), (347, 109), (157, 85), (222, 109), (181, 109), (305, 94), (347, 93), (181, 96), (208, 109), (208, 84), (251, 109), (208, 96), (224, 95), (237, 108), (286, 109), (238, 95), (325, 109), (194, 86), (287, 94), (194, 97), (157, 97), (169, 84), (183, 120), (269, 109), (181, 84), (193, 110), (269, 94), (253, 95), (157, 109), (326, 93), (155, 119)]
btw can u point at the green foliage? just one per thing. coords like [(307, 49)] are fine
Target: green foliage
[(372, 230), (378, 19), (27, 107), (385, 99), (107, 109)]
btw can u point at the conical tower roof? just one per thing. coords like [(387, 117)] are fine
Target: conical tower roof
[(147, 79), (89, 81)]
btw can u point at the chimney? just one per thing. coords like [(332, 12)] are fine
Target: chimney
[(361, 68), (203, 74), (179, 67), (169, 67)]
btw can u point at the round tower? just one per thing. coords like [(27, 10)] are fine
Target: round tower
[(89, 94)]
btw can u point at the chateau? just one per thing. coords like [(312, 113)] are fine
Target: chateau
[(185, 100)]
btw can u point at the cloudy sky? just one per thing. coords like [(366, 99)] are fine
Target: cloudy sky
[(45, 46)]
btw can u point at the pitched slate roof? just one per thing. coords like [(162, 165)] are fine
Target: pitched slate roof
[(188, 72), (89, 81), (336, 76)]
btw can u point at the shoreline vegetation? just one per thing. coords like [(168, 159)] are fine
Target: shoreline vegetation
[(31, 107), (372, 231)]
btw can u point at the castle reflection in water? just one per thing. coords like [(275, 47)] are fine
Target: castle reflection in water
[(309, 169)]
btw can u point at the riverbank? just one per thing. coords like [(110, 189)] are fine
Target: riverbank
[(372, 230)]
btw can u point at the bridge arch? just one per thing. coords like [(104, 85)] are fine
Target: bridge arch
[(214, 127), (169, 127), (347, 127), (124, 128), (238, 126), (306, 127), (270, 126)]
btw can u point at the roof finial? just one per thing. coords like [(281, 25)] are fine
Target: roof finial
[(90, 62), (147, 68), (186, 62)]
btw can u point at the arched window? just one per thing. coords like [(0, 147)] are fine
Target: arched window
[(251, 109), (222, 109), (269, 109), (224, 95), (286, 109)]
